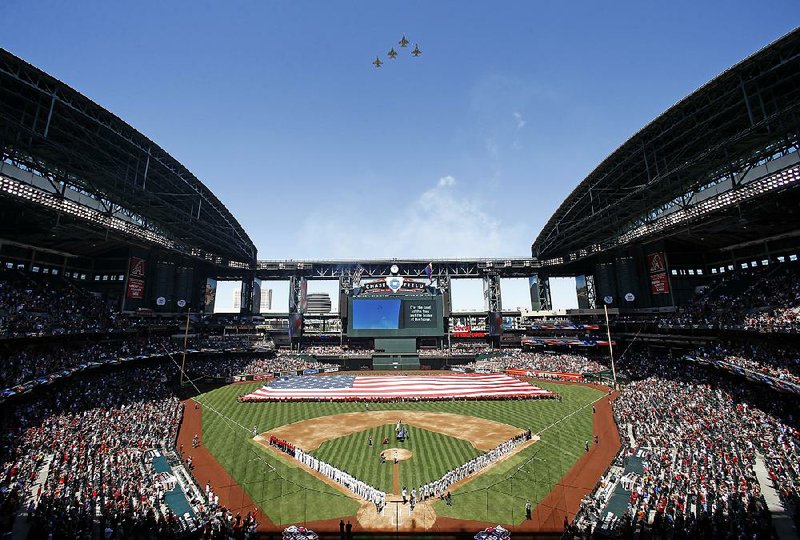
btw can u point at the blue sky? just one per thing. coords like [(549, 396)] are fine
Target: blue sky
[(463, 152)]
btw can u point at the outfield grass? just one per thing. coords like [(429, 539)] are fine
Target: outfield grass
[(290, 495), (433, 454)]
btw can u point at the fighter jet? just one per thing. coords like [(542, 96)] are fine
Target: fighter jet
[(392, 54), (416, 51), (377, 63), (403, 41)]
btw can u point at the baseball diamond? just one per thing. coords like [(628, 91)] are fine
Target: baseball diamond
[(443, 435)]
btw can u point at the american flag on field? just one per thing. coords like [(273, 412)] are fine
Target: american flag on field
[(349, 387)]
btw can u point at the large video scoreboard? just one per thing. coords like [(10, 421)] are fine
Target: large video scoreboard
[(395, 315)]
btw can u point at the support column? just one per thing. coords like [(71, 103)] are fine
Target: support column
[(540, 292), (257, 307), (246, 294), (345, 287), (544, 294), (297, 300), (297, 287), (492, 299), (590, 294), (581, 291), (443, 284)]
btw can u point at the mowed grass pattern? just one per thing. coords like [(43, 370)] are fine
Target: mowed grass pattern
[(433, 454), (289, 495)]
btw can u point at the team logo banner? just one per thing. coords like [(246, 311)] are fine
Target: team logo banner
[(657, 268), (394, 283), (656, 263), (136, 271)]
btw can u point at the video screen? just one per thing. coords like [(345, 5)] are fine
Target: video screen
[(378, 314), (420, 314)]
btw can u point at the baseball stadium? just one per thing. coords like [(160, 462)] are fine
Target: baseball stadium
[(665, 405)]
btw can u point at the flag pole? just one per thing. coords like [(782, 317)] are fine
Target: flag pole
[(610, 347)]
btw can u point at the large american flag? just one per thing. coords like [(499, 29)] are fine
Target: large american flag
[(344, 387)]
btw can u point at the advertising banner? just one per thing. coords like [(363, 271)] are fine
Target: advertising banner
[(393, 284), (135, 288), (659, 283)]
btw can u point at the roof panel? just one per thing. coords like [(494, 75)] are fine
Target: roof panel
[(46, 124), (739, 118)]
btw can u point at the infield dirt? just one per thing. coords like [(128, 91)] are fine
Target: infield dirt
[(310, 434)]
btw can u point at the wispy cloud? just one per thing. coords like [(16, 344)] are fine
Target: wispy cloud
[(519, 120), (501, 105), (442, 221)]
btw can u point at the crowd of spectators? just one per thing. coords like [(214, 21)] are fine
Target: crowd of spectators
[(347, 351), (226, 524), (701, 437), (775, 361), (233, 341), (538, 361), (89, 438), (458, 349), (232, 366), (21, 365), (765, 299), (51, 306)]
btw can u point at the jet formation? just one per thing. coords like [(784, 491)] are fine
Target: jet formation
[(392, 54)]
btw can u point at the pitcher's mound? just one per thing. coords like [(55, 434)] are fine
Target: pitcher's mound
[(400, 453)]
